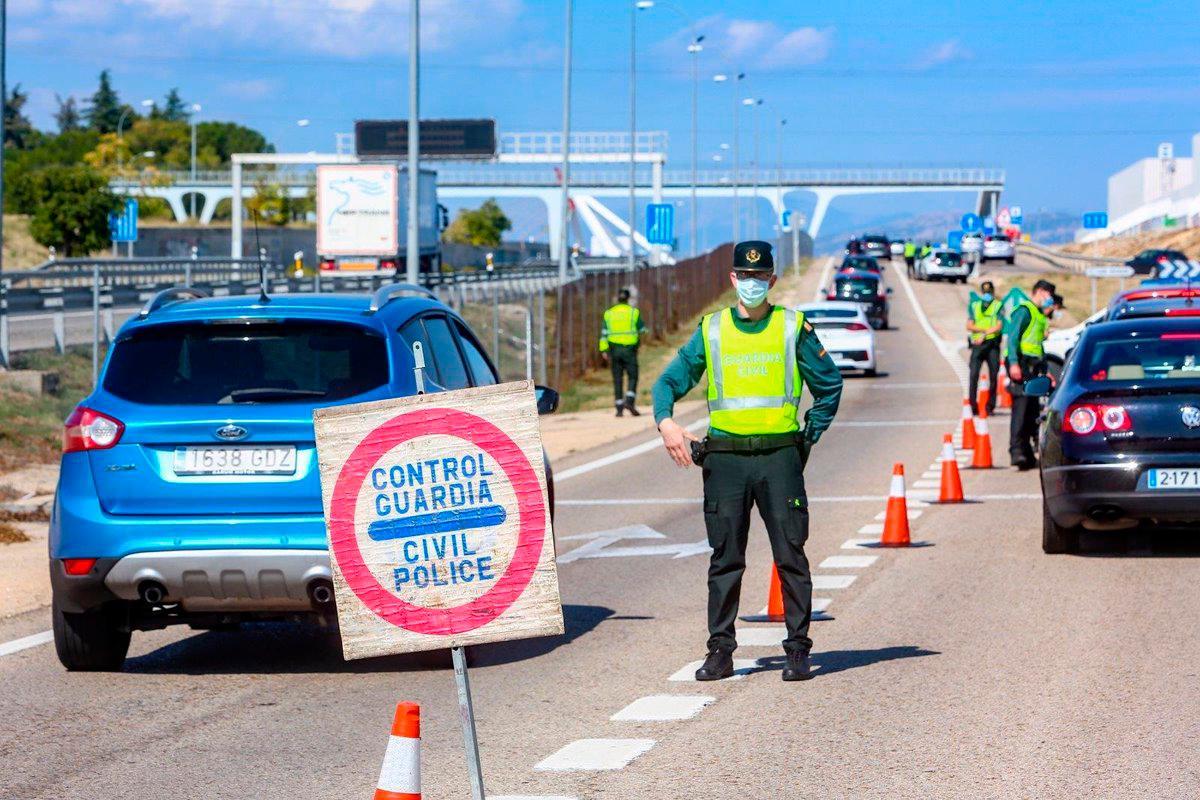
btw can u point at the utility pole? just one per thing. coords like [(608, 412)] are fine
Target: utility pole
[(779, 177), (192, 196), (4, 101), (412, 260), (564, 234), (694, 48)]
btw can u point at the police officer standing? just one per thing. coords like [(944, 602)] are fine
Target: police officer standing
[(619, 340), (1026, 359), (983, 327), (759, 358), (910, 255)]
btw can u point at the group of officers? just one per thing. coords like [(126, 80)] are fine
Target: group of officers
[(757, 359)]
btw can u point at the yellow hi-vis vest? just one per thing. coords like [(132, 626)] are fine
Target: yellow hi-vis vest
[(1035, 331), (754, 381), (984, 318), (620, 326)]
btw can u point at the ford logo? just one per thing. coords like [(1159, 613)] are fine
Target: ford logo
[(1191, 416), (231, 432)]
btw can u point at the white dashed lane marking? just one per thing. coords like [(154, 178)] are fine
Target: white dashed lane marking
[(913, 513), (741, 668), (595, 754), (832, 581), (821, 604), (530, 797), (873, 527), (664, 707), (847, 562), (26, 642), (761, 637), (860, 544)]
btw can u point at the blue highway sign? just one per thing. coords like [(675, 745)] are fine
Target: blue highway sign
[(1095, 219), (660, 223), (122, 226), (971, 222)]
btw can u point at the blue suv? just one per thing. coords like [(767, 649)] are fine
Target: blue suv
[(189, 491)]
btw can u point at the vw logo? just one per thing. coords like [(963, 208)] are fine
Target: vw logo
[(231, 432), (1191, 416)]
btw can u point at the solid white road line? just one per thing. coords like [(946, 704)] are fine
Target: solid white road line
[(621, 455), (741, 668), (664, 707), (595, 754), (819, 296), (26, 642), (832, 581), (847, 562), (761, 637)]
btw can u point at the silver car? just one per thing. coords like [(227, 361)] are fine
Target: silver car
[(998, 247)]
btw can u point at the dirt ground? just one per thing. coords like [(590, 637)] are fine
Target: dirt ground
[(1187, 240)]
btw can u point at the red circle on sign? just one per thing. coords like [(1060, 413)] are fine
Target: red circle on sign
[(530, 537)]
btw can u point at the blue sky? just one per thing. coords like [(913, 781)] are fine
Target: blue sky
[(1060, 94)]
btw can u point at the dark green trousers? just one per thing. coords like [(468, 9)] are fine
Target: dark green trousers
[(623, 358), (774, 482)]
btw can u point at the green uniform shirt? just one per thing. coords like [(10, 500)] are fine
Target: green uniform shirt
[(820, 374)]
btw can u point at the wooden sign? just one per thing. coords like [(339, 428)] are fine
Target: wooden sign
[(438, 520)]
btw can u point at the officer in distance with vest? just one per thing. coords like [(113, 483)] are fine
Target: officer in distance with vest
[(759, 358), (983, 332), (619, 340), (1026, 357)]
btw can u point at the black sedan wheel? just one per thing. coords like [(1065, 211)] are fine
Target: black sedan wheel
[(1055, 537)]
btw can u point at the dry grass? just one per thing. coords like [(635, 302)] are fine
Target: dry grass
[(1187, 241), (31, 426), (1075, 289), (11, 534)]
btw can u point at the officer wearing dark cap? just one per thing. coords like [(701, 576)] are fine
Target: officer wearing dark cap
[(759, 359), (1026, 358)]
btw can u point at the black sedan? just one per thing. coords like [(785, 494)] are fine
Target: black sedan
[(866, 263), (1120, 442), (866, 289), (1174, 307), (1145, 262), (877, 246)]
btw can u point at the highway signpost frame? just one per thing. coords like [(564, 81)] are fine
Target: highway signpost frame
[(1114, 271), (123, 225), (439, 526)]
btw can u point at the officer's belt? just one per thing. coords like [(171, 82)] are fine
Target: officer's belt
[(752, 444)]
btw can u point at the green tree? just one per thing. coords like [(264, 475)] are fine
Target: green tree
[(70, 207), (174, 109), (481, 227), (104, 109), (18, 130), (227, 138), (269, 204), (67, 117)]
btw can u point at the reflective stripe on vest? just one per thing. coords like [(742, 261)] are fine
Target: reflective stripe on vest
[(985, 319), (620, 324), (754, 381), (1035, 331)]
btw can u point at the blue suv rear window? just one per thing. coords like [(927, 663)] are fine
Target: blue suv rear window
[(260, 361)]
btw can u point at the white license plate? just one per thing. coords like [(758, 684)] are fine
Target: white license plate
[(235, 460), (1183, 478)]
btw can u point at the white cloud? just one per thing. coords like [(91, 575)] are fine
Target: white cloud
[(249, 88), (948, 51), (759, 42), (344, 28)]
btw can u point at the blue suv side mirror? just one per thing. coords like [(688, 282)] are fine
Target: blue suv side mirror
[(547, 400)]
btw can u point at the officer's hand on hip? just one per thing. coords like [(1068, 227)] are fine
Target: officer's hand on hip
[(1014, 371), (675, 439)]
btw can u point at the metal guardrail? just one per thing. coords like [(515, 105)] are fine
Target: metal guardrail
[(1069, 262)]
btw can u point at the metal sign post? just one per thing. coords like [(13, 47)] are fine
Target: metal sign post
[(96, 322), (1094, 274), (466, 711)]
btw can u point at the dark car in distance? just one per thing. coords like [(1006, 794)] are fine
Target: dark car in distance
[(866, 263), (877, 246), (866, 289), (1120, 442), (1145, 262)]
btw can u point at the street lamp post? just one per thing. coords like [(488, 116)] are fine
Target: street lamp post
[(564, 232), (779, 178), (412, 259), (634, 8), (755, 102), (120, 129), (3, 99), (737, 102), (192, 196)]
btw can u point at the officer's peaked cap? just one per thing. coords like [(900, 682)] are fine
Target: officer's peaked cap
[(753, 255)]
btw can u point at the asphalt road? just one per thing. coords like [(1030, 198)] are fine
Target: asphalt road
[(976, 667)]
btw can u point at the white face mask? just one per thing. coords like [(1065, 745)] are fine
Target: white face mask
[(752, 291)]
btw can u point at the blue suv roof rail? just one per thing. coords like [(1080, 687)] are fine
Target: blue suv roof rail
[(386, 294), (173, 295)]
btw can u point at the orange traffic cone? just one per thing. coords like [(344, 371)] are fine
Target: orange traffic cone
[(985, 392), (895, 521), (1003, 396), (400, 777), (968, 426), (951, 491), (982, 457), (774, 610)]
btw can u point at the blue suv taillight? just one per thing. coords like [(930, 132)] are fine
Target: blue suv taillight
[(88, 429)]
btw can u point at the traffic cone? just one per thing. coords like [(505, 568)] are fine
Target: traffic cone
[(774, 610), (1003, 396), (982, 457), (985, 392), (895, 522), (951, 491), (968, 426), (400, 777)]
